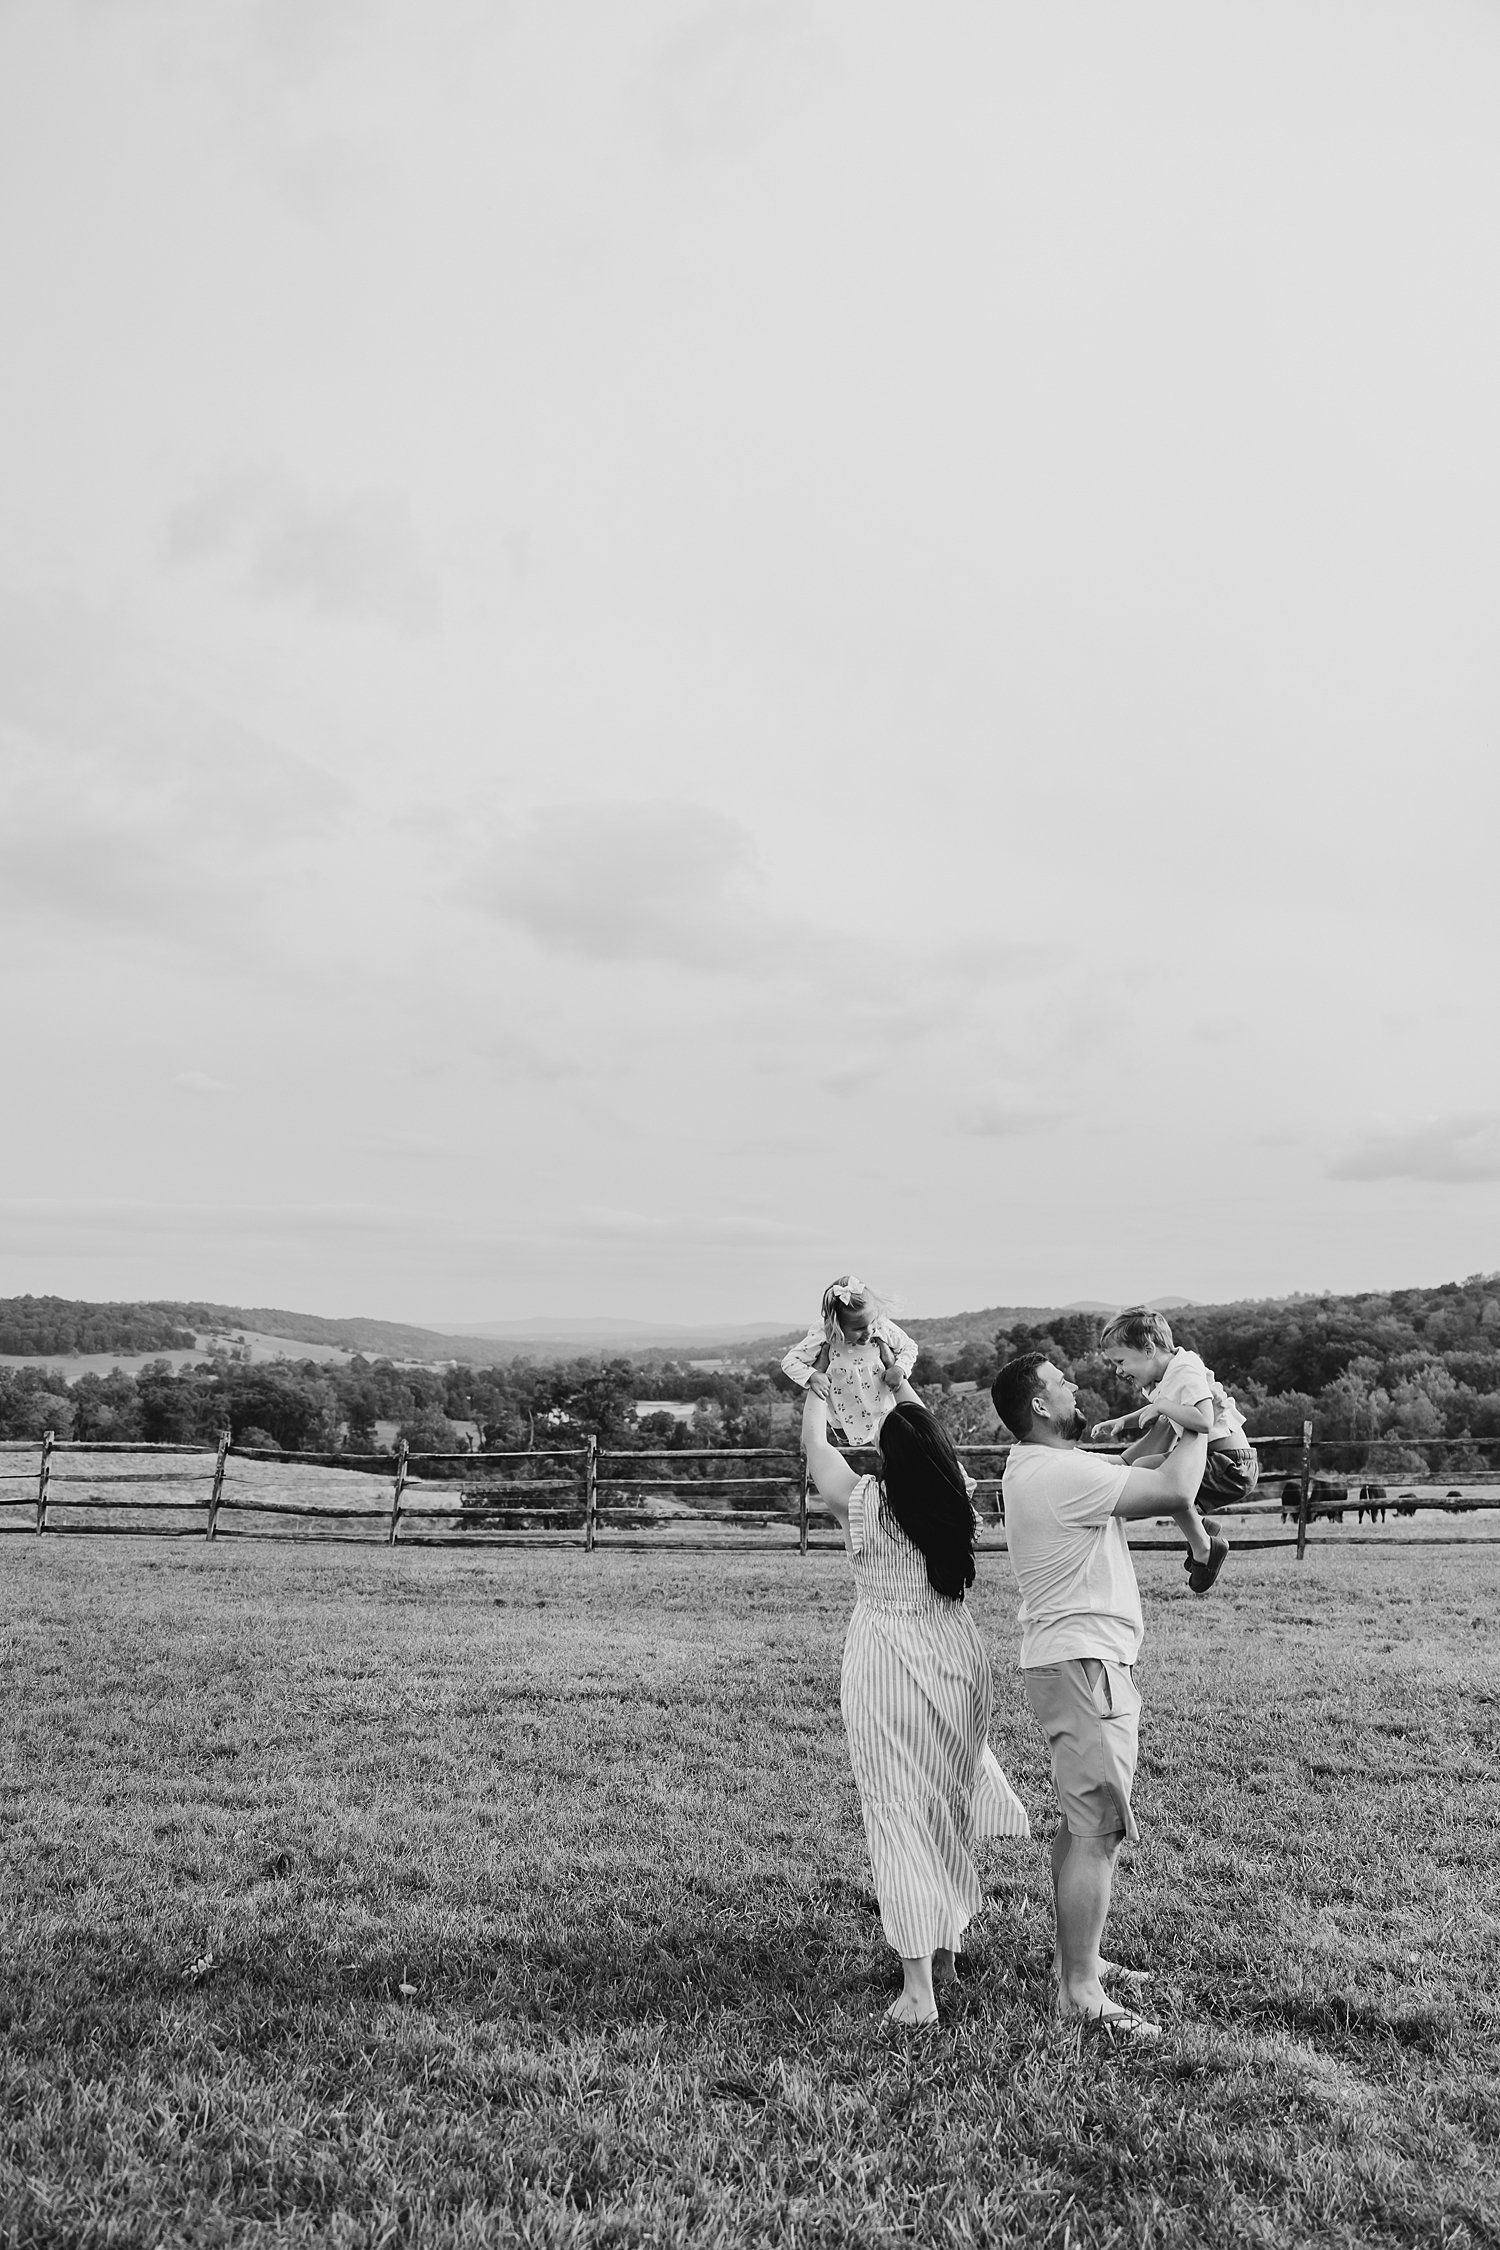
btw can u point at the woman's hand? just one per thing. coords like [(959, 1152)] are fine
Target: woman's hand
[(818, 1384), (890, 1373)]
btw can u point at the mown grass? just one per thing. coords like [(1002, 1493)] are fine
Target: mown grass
[(538, 1913)]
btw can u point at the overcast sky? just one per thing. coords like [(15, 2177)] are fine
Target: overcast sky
[(648, 652)]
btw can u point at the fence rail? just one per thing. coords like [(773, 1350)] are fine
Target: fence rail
[(584, 1492)]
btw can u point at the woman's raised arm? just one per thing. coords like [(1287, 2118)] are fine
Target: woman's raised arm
[(830, 1472)]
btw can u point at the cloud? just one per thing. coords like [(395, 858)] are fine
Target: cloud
[(1449, 1150), (357, 557), (1001, 1120), (643, 881), (720, 78), (55, 1227), (156, 836), (125, 801), (599, 1224), (199, 1082)]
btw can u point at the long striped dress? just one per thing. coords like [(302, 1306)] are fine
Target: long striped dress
[(915, 1692)]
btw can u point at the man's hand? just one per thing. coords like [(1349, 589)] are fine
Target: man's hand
[(818, 1384)]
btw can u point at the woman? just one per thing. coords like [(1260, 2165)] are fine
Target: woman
[(915, 1688)]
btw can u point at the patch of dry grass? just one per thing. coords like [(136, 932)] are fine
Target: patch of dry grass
[(527, 1904)]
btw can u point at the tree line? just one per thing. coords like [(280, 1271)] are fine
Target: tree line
[(1388, 1371), (302, 1406)]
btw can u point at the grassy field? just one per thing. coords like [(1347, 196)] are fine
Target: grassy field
[(358, 1897)]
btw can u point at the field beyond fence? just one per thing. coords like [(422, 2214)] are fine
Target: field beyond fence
[(588, 1493)]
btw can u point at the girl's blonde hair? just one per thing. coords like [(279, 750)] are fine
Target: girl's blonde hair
[(847, 1293)]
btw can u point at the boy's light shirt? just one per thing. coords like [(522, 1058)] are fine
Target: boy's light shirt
[(1184, 1381), (859, 1396)]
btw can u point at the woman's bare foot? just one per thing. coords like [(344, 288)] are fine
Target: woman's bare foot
[(910, 2008), (916, 2004)]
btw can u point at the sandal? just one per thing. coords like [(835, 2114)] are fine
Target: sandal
[(1125, 2026)]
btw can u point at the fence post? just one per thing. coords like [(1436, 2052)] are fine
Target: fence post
[(1305, 1497), (590, 1492), (217, 1493), (44, 1478), (802, 1510), (403, 1451)]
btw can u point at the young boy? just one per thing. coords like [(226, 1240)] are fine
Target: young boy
[(1181, 1394)]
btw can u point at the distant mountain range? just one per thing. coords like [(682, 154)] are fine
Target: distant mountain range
[(578, 1335), (57, 1327)]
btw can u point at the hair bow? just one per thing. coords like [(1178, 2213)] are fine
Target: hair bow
[(845, 1292)]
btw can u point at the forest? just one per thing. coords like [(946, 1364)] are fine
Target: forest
[(1388, 1372)]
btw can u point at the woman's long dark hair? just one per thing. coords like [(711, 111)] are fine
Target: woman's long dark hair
[(925, 1488)]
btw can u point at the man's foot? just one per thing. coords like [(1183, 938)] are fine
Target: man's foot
[(1115, 1972), (1112, 2023), (1111, 1972), (911, 2008), (1201, 1575)]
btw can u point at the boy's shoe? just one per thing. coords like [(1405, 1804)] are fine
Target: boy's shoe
[(1201, 1575)]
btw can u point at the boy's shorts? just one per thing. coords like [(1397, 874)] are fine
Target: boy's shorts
[(1090, 1713), (1232, 1472)]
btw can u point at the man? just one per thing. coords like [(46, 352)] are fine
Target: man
[(1081, 1632)]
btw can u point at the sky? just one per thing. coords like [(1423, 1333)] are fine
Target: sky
[(649, 654)]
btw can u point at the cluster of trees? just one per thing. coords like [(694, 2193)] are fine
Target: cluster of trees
[(1386, 1371), (53, 1326), (304, 1406)]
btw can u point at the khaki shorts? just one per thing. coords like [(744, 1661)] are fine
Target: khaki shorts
[(1231, 1473), (1090, 1713)]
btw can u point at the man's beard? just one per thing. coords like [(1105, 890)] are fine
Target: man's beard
[(1075, 1425)]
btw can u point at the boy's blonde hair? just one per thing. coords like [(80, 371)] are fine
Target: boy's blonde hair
[(1138, 1329)]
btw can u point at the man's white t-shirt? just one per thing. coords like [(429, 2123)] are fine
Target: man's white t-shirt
[(1185, 1380), (1070, 1555)]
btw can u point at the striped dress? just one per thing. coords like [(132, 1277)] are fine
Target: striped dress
[(915, 1694)]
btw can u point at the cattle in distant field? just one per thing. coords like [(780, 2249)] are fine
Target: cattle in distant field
[(1325, 1498), (1371, 1497)]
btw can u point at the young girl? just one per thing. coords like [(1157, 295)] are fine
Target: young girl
[(855, 1358)]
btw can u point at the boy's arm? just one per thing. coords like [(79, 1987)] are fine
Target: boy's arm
[(1197, 1416), (1123, 1425), (1167, 1489), (1151, 1446)]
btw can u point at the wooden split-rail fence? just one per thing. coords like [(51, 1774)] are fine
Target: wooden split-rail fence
[(584, 1493)]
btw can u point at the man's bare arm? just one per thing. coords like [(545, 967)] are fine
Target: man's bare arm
[(1167, 1489)]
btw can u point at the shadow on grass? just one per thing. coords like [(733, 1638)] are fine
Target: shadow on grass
[(1353, 2027)]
